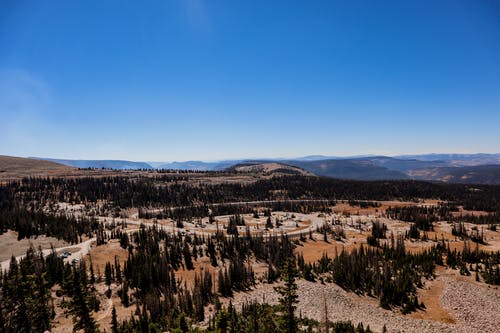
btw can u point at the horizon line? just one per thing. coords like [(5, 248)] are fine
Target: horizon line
[(257, 158)]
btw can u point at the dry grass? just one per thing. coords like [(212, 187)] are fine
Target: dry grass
[(17, 167), (106, 253), (430, 295)]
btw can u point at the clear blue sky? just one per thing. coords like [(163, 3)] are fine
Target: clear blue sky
[(192, 79)]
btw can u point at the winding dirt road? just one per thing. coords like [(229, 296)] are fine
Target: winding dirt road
[(85, 246)]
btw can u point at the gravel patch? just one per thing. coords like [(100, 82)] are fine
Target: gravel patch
[(475, 307), (478, 314)]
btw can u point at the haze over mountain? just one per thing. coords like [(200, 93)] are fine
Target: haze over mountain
[(478, 174), (360, 169), (98, 164), (457, 159), (197, 165), (462, 168)]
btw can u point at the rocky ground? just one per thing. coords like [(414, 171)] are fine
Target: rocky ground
[(475, 307)]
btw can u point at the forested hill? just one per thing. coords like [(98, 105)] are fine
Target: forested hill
[(480, 174), (349, 169), (169, 190), (468, 169)]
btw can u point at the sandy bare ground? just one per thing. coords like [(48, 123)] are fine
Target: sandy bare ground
[(10, 246), (78, 251)]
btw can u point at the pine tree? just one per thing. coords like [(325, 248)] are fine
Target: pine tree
[(288, 297), (2, 319), (183, 325), (114, 321), (124, 294), (80, 309), (107, 274), (92, 274), (187, 257), (118, 271), (325, 316), (269, 224), (222, 321), (108, 278)]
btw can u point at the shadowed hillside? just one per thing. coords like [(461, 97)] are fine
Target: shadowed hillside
[(481, 174), (349, 169)]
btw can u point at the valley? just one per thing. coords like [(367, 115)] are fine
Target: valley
[(450, 168), (220, 227), (198, 166)]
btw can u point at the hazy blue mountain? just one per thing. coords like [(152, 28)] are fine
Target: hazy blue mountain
[(324, 157), (197, 165), (479, 174), (404, 165), (315, 158), (360, 169), (155, 165), (107, 164), (457, 159), (435, 167)]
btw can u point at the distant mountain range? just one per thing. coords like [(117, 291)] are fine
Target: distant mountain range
[(456, 168), (457, 159), (478, 174), (100, 164), (197, 165), (361, 169)]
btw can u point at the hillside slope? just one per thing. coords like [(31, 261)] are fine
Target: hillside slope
[(197, 165), (99, 164), (457, 159), (404, 165), (19, 167), (349, 169), (270, 168), (481, 174)]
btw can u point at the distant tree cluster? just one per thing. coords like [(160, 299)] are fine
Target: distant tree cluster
[(422, 216), (29, 224)]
